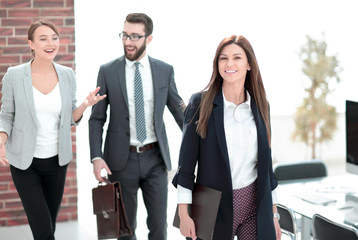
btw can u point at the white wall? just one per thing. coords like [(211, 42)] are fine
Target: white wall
[(284, 149)]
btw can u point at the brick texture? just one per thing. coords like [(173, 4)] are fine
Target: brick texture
[(15, 18)]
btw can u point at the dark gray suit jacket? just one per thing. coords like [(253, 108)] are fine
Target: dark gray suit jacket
[(111, 79)]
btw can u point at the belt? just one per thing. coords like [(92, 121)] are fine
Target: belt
[(144, 148)]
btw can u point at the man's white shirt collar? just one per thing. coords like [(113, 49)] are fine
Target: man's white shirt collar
[(143, 62)]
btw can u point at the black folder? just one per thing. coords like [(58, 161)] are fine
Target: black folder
[(203, 211)]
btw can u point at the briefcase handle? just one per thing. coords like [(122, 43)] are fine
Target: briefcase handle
[(105, 181)]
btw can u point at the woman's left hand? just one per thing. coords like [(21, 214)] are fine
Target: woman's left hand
[(277, 228), (93, 98)]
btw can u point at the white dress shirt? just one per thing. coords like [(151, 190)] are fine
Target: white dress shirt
[(148, 94), (48, 112), (241, 141)]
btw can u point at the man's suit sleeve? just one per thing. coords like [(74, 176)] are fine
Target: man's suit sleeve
[(174, 102), (98, 118)]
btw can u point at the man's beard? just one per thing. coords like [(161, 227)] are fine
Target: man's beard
[(138, 53)]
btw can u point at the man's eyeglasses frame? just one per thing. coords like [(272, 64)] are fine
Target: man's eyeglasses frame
[(125, 36)]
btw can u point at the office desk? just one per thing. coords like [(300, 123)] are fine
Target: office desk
[(339, 188)]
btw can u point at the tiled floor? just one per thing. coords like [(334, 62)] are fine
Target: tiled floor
[(65, 231)]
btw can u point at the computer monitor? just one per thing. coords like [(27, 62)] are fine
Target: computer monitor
[(352, 137)]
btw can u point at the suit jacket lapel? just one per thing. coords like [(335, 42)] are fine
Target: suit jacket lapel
[(156, 83), (261, 130), (29, 91), (262, 150), (218, 114), (122, 78)]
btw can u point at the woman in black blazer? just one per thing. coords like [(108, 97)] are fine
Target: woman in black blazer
[(227, 135)]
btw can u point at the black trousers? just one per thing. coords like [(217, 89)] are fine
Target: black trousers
[(40, 188), (146, 171)]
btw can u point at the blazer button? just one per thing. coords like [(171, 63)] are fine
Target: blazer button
[(127, 118), (128, 134)]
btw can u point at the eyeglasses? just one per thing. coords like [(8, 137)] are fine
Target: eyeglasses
[(124, 36)]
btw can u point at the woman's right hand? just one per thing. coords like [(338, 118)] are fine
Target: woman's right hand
[(187, 225), (3, 159), (93, 98)]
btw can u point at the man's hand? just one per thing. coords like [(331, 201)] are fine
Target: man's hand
[(98, 165)]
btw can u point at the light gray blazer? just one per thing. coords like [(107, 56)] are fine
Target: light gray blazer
[(18, 117)]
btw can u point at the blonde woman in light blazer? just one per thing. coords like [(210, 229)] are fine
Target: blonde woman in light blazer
[(37, 112)]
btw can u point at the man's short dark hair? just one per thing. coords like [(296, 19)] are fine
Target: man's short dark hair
[(141, 18)]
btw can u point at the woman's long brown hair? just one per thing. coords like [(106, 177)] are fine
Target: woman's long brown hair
[(253, 84)]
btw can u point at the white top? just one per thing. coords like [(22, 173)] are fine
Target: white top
[(148, 94), (241, 141), (48, 111)]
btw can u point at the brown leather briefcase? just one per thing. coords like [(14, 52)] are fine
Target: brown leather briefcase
[(112, 221)]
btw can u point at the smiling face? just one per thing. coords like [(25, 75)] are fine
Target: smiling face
[(233, 64), (135, 50), (44, 43)]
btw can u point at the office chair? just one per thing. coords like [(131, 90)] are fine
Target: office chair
[(300, 170), (287, 221), (324, 228)]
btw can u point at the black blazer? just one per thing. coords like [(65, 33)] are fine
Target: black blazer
[(214, 168), (111, 79)]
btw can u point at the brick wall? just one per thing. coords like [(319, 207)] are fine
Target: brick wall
[(15, 18)]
